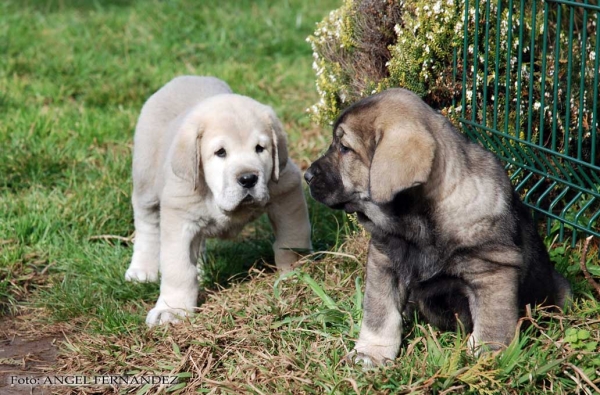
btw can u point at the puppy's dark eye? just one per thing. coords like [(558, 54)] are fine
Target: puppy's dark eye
[(344, 149), (221, 153), (259, 149)]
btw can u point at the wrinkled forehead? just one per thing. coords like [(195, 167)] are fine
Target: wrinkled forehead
[(230, 128), (234, 111), (359, 117), (367, 119), (234, 125), (357, 130), (350, 135)]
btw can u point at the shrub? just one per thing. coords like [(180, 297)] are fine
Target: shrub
[(367, 46)]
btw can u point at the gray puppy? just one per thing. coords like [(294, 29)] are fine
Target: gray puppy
[(449, 236)]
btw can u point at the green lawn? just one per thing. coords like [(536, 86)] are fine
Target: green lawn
[(73, 77)]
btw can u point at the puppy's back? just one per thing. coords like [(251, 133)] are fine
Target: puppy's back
[(507, 220), (180, 94)]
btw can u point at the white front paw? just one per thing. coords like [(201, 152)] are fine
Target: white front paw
[(141, 275), (284, 259), (172, 311), (160, 316), (367, 361), (477, 348)]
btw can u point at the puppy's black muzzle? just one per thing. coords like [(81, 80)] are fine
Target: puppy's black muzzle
[(310, 174), (314, 179), (324, 182)]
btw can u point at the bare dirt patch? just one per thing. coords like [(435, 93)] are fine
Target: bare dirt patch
[(25, 353)]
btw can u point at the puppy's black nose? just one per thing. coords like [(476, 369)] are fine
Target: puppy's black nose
[(248, 180), (309, 175)]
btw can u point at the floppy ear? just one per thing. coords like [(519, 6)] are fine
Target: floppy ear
[(186, 160), (403, 158), (280, 153)]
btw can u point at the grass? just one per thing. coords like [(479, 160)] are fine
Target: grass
[(73, 77)]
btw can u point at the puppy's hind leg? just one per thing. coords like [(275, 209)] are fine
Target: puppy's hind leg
[(198, 254), (146, 249), (494, 308)]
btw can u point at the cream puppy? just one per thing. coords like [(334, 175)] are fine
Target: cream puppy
[(205, 163)]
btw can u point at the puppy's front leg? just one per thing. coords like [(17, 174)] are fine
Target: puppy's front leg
[(385, 297), (289, 218), (179, 282)]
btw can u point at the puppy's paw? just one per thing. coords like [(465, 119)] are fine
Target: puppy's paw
[(478, 349), (367, 362), (285, 260), (141, 275), (170, 310), (161, 315)]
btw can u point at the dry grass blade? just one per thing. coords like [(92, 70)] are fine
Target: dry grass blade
[(584, 376), (583, 266), (109, 238)]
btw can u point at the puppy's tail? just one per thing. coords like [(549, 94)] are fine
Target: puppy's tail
[(563, 292)]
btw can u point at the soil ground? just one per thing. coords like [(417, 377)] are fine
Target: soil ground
[(25, 355)]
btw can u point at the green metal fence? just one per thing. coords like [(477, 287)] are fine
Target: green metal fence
[(530, 86)]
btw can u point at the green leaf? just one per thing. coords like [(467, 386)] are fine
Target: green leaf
[(318, 291), (591, 346), (571, 331), (595, 270), (176, 349), (332, 316), (590, 372), (283, 277), (541, 371), (571, 339), (177, 387), (288, 320), (510, 357), (358, 295), (582, 334), (144, 389)]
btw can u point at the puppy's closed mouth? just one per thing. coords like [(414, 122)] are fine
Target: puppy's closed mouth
[(248, 200), (349, 207), (352, 205)]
